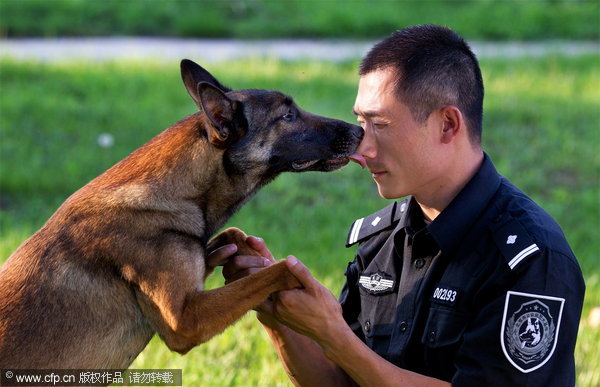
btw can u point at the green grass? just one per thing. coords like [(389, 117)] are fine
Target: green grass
[(362, 19), (541, 130)]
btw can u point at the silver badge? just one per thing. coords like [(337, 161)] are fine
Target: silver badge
[(377, 283), (530, 329)]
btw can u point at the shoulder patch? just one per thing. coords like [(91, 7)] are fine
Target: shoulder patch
[(515, 244), (530, 326), (365, 227)]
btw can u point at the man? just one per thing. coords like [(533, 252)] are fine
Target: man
[(466, 281)]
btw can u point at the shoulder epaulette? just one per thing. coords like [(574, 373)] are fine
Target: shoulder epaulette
[(515, 244), (365, 227)]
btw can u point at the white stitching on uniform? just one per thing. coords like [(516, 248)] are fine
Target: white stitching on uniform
[(355, 231), (376, 221), (522, 255)]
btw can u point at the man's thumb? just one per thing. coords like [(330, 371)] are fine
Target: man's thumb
[(300, 271)]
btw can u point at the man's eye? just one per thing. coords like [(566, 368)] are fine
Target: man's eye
[(289, 116)]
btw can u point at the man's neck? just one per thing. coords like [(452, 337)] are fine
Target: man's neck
[(434, 202)]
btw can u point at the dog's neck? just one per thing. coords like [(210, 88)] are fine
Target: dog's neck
[(180, 175), (218, 205)]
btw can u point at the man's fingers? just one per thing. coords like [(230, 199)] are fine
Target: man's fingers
[(301, 272), (239, 274), (241, 263), (265, 308), (260, 246), (220, 256)]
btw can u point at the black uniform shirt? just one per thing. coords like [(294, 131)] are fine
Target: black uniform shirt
[(496, 301)]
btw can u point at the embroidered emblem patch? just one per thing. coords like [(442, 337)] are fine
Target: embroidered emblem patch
[(377, 283), (530, 327), (511, 239)]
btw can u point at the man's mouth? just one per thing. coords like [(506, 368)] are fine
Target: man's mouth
[(375, 175)]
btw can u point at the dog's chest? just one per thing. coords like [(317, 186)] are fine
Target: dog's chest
[(132, 338), (111, 327)]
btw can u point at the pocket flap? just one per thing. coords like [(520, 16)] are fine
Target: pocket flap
[(444, 327), (380, 330)]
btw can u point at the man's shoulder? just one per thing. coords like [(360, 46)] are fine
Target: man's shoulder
[(522, 229), (385, 219)]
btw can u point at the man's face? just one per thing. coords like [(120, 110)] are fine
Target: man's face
[(401, 154)]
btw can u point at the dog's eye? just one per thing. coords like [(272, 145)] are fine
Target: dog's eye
[(289, 116)]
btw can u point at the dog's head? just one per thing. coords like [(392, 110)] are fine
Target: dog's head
[(264, 129)]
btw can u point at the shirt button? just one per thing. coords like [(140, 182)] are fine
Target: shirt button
[(403, 207), (419, 263), (432, 337), (367, 326), (403, 326)]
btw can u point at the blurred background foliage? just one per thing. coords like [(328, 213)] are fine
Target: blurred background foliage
[(248, 19)]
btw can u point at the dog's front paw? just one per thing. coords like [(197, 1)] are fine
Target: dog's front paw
[(235, 236)]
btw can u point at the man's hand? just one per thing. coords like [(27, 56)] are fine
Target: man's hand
[(243, 265), (313, 310), (220, 256), (240, 266)]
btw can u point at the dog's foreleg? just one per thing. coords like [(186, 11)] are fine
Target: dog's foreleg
[(206, 313)]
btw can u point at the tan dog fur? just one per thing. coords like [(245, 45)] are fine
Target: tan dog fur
[(123, 257)]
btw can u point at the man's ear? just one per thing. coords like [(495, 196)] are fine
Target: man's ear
[(221, 111), (452, 123), (192, 74)]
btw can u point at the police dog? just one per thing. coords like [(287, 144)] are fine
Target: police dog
[(124, 256)]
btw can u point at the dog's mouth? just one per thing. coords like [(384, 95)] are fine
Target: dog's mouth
[(300, 165), (320, 164)]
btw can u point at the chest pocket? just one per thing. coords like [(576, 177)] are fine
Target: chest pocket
[(375, 319), (444, 327), (376, 336), (441, 338)]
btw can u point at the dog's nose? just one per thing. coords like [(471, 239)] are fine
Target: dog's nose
[(357, 132)]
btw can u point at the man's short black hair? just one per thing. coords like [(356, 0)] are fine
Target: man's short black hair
[(435, 67)]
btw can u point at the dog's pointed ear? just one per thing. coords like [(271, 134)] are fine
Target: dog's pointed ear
[(222, 113), (193, 74)]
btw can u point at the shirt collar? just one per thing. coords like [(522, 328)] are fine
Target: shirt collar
[(450, 226), (412, 222)]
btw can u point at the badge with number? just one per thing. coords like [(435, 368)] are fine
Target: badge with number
[(530, 328)]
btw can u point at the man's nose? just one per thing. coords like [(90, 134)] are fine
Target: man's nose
[(366, 150), (367, 147)]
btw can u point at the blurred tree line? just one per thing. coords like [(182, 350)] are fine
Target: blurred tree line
[(248, 19)]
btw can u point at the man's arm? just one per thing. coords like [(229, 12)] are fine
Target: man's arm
[(302, 358), (309, 333), (315, 313)]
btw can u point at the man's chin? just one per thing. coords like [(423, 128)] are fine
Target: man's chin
[(387, 193), (384, 193)]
